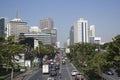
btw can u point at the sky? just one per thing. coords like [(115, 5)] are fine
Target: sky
[(104, 14)]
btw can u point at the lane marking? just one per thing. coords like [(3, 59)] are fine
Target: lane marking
[(68, 72), (73, 66)]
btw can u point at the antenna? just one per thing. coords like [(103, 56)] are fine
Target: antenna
[(17, 14)]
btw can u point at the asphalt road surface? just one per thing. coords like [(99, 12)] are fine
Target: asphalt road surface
[(65, 71)]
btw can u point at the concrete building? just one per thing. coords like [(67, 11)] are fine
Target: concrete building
[(72, 35), (47, 27), (17, 26), (58, 44), (53, 36), (81, 33), (96, 40), (68, 42), (34, 29), (46, 23), (92, 31), (4, 27), (44, 38), (92, 34), (92, 37)]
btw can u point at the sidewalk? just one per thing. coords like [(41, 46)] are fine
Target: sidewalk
[(27, 74)]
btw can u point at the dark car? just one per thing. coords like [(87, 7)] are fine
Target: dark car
[(53, 73), (52, 68), (110, 72), (57, 66)]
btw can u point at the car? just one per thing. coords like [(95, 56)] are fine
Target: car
[(63, 61), (65, 58), (53, 72), (52, 67), (50, 78), (110, 72), (74, 72), (57, 66), (79, 76)]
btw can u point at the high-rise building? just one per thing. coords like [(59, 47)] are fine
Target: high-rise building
[(72, 35), (53, 36), (18, 26), (81, 33), (92, 34), (46, 23), (4, 24), (92, 31), (47, 26)]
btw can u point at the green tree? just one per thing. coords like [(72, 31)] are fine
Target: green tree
[(90, 61), (48, 49), (114, 52), (9, 49)]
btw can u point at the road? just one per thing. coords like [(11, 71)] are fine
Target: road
[(66, 74), (65, 71), (26, 75), (111, 77), (36, 74)]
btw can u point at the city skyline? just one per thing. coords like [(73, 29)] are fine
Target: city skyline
[(103, 14)]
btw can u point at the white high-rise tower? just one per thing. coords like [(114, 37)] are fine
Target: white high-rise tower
[(81, 31)]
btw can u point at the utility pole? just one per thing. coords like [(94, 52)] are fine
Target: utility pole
[(12, 74)]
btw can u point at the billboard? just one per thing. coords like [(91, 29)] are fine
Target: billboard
[(67, 50)]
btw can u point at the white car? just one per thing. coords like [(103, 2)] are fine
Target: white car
[(74, 72), (50, 78)]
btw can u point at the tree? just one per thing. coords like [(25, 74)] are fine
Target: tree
[(9, 49), (90, 61), (114, 52), (2, 40)]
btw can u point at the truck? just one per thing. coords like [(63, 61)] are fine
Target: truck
[(45, 68)]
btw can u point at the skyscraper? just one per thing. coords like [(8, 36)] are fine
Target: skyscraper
[(92, 37), (81, 31), (92, 34), (46, 23), (47, 26), (18, 26), (92, 31), (4, 24), (53, 36), (72, 35)]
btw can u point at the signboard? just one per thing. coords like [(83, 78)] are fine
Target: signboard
[(67, 50)]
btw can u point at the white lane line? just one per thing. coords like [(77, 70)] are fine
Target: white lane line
[(69, 72), (73, 66)]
